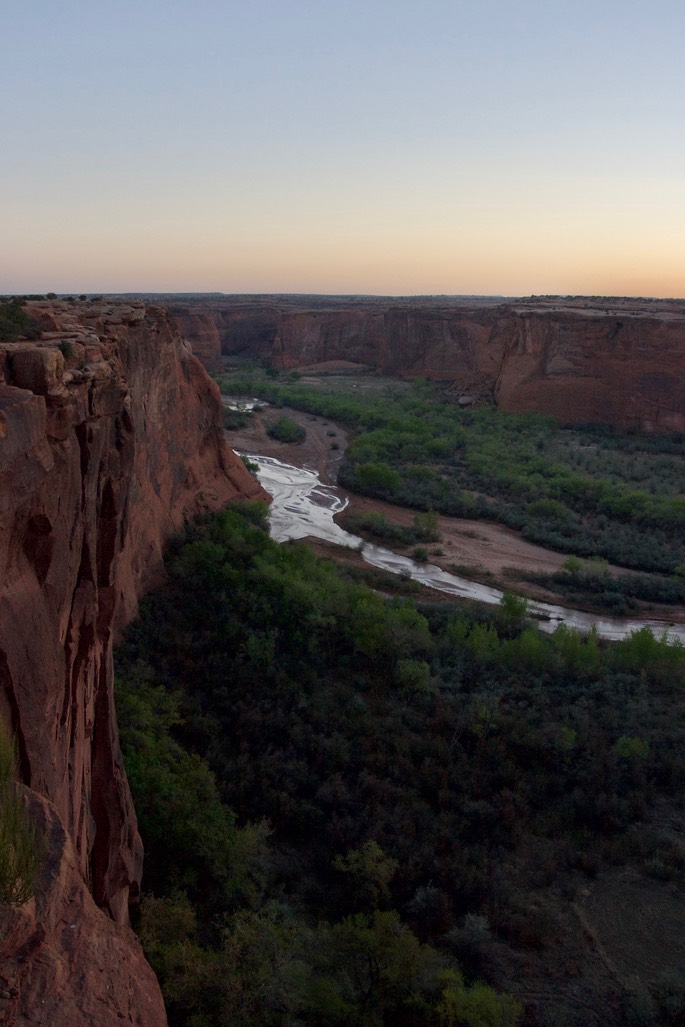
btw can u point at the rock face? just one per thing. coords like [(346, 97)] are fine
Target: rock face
[(214, 328), (110, 436), (62, 961), (580, 360), (628, 371)]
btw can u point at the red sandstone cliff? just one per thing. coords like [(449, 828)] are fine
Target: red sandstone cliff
[(213, 328), (627, 370), (581, 360), (110, 436)]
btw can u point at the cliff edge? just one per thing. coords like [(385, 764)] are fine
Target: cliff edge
[(110, 437), (579, 359)]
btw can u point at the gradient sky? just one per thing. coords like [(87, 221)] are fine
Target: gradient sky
[(383, 146)]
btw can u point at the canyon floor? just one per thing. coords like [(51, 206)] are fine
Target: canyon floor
[(478, 550), (616, 931)]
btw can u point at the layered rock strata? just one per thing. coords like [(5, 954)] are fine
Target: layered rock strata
[(580, 360), (110, 436), (587, 367)]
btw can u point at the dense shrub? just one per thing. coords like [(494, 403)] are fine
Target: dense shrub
[(20, 846), (286, 430), (14, 321)]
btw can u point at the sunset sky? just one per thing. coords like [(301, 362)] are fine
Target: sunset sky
[(442, 146)]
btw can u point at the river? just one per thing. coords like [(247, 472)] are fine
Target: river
[(304, 507)]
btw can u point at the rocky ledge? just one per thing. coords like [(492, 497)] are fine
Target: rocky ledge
[(110, 437)]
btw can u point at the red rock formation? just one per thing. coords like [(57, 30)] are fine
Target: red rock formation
[(213, 328), (62, 961), (201, 330), (627, 371), (580, 360), (317, 337), (110, 436)]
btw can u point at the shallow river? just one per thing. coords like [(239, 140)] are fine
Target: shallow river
[(303, 506)]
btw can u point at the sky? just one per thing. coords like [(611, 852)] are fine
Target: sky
[(335, 146)]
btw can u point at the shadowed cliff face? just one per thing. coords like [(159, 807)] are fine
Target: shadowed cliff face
[(579, 360), (580, 367), (250, 329), (110, 436)]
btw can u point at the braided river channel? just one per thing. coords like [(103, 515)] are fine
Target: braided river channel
[(304, 507)]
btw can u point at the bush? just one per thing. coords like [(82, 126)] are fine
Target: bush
[(378, 479), (286, 430), (235, 419), (378, 527), (19, 847), (14, 322)]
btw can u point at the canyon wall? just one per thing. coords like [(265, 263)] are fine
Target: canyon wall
[(587, 367), (110, 436), (617, 361), (214, 328)]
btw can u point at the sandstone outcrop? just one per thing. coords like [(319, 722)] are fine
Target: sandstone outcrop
[(62, 961), (578, 359), (110, 436), (627, 370)]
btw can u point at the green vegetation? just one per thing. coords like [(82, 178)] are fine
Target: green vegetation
[(590, 583), (286, 430), (20, 848), (590, 491), (15, 322), (235, 419), (376, 526), (354, 808)]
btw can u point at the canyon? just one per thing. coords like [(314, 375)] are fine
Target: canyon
[(110, 438), (578, 359)]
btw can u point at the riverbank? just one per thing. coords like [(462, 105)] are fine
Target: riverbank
[(479, 550)]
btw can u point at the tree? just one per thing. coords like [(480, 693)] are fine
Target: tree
[(369, 872), (476, 1005), (383, 969), (378, 477)]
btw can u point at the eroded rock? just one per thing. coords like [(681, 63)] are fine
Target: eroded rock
[(577, 359), (62, 962), (96, 471)]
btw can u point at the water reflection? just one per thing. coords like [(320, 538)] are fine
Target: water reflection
[(303, 506)]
